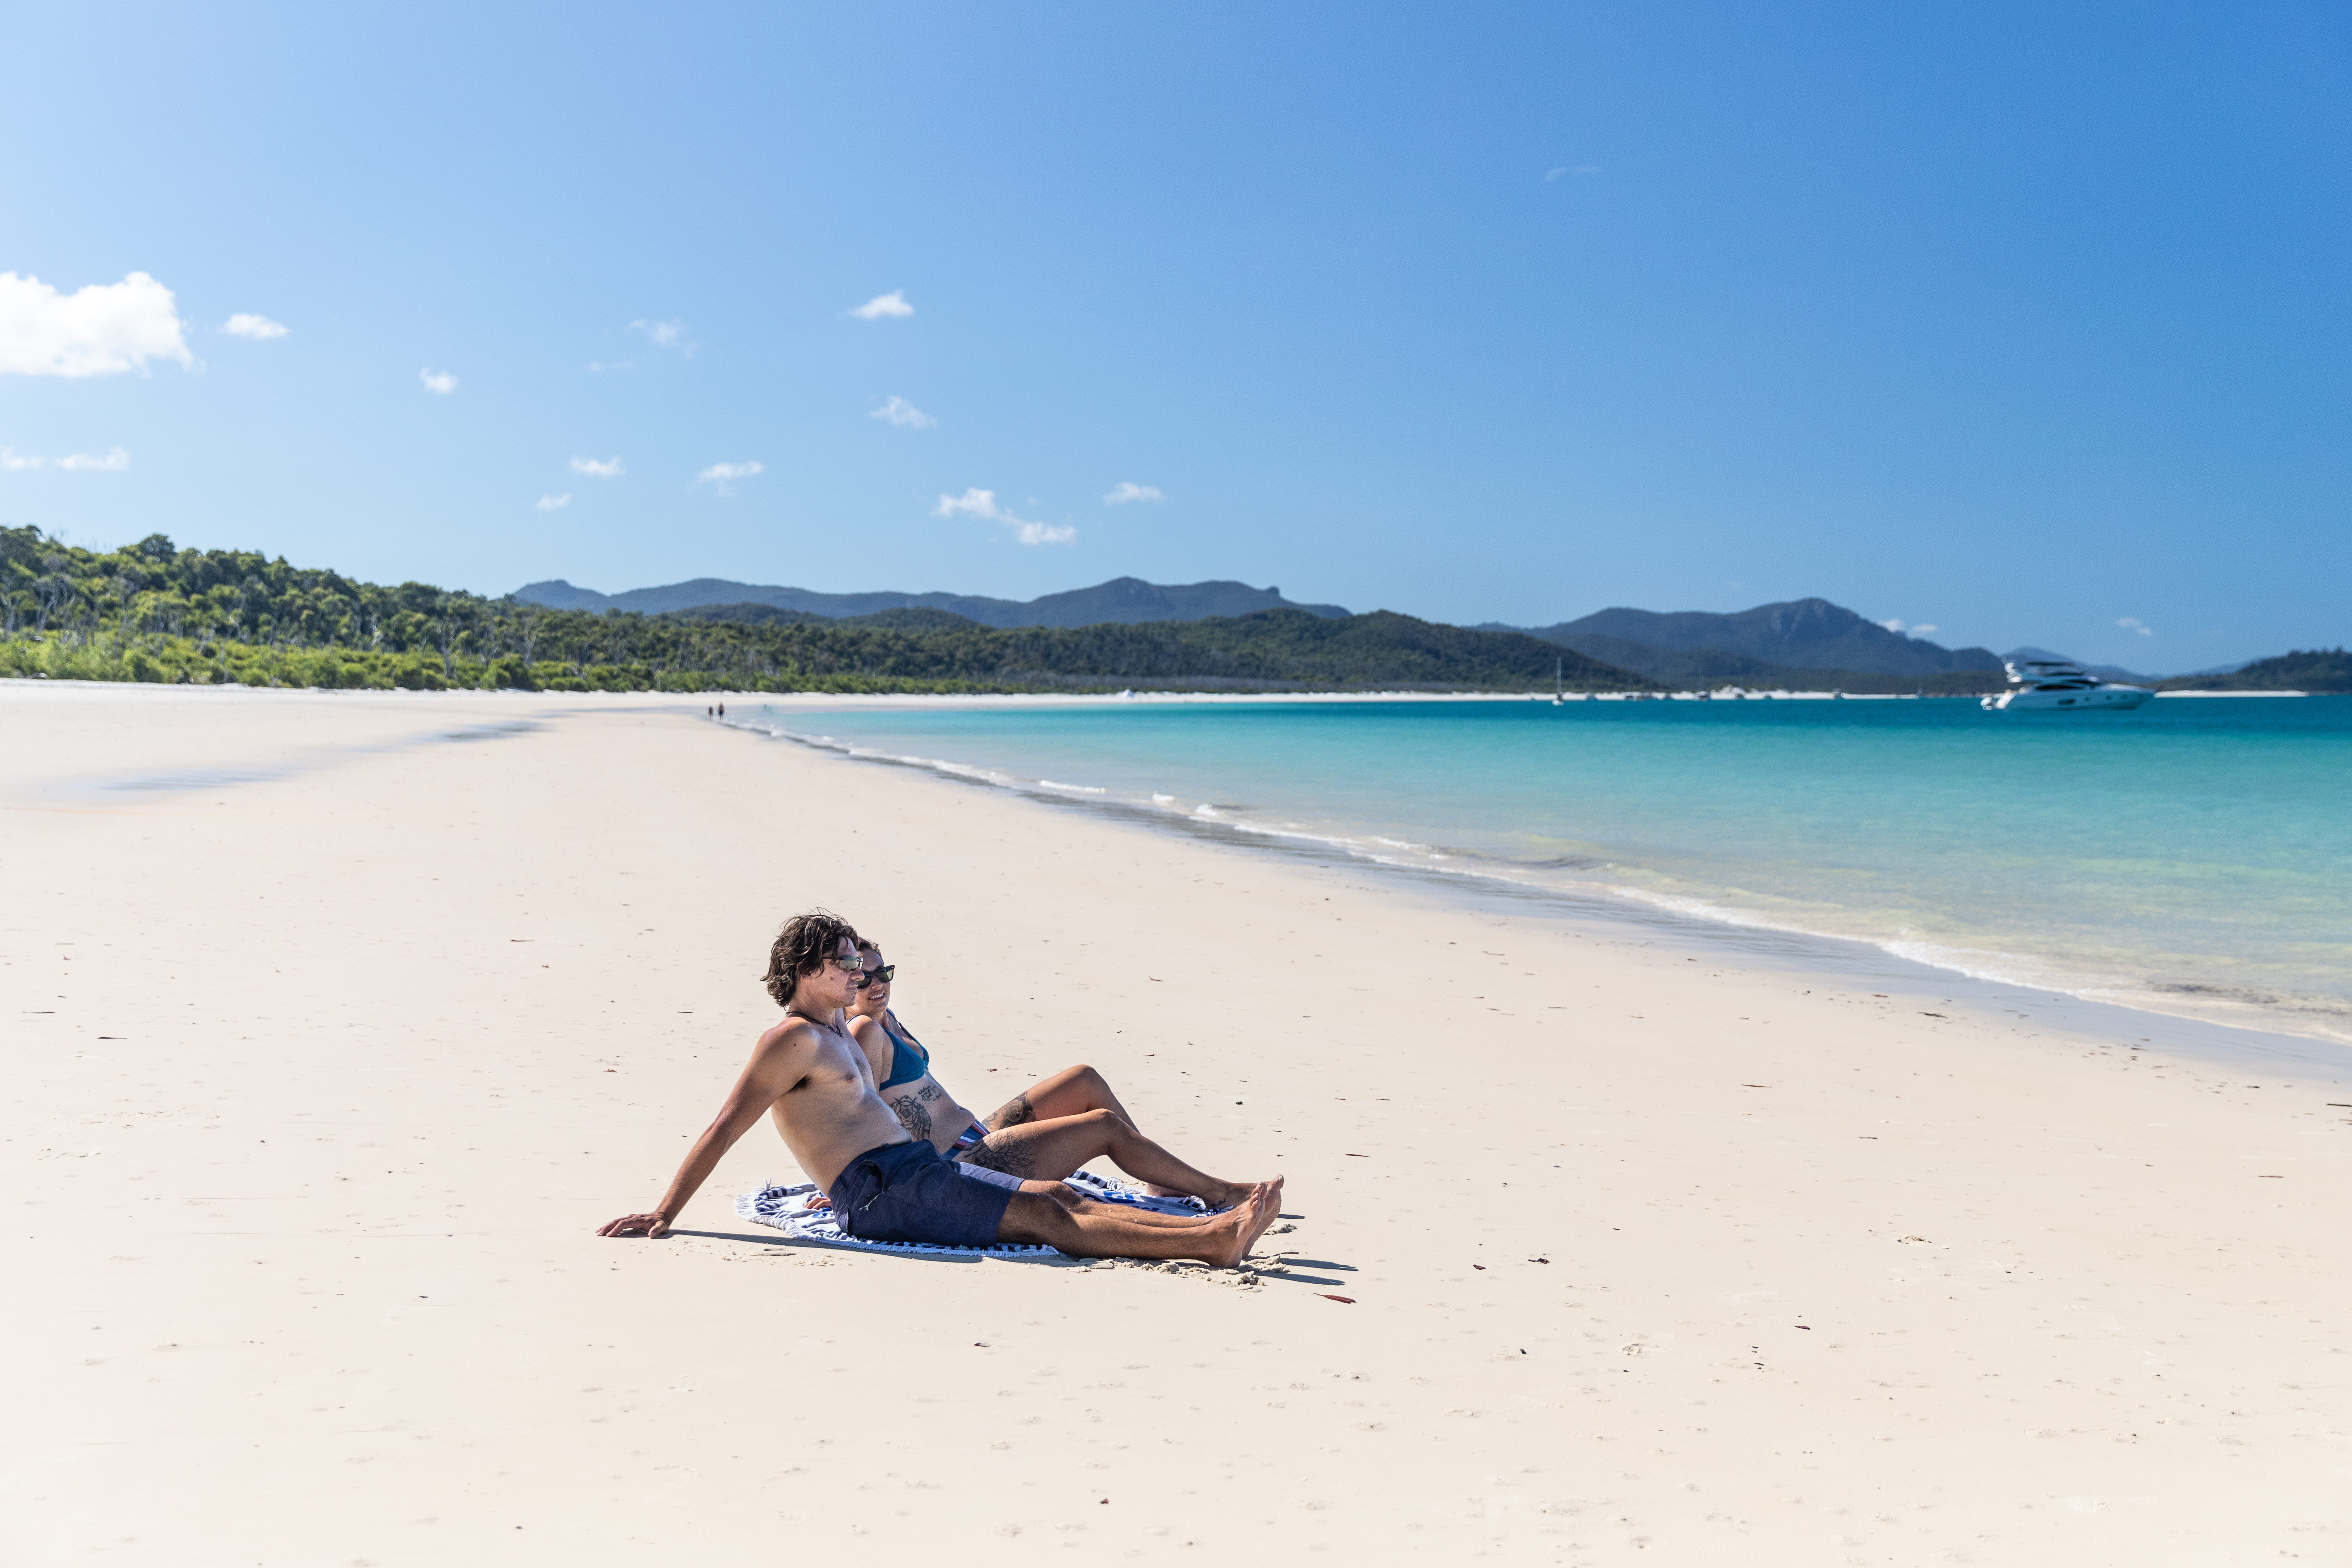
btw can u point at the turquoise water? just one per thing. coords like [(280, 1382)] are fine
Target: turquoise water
[(2194, 857)]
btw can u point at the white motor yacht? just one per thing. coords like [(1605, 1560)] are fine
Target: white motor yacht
[(2048, 683)]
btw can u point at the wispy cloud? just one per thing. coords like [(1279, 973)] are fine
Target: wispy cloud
[(2134, 624), (113, 462), (260, 329), (664, 334), (1896, 624), (982, 503), (555, 503), (1125, 491), (1571, 172), (103, 329), (724, 475), (904, 414), (439, 383), (894, 303), (605, 469)]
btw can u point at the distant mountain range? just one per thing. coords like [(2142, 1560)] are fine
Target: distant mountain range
[(164, 619), (1128, 600), (1804, 636), (1799, 645)]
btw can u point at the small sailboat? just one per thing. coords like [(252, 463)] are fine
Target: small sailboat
[(1559, 696), (2040, 684)]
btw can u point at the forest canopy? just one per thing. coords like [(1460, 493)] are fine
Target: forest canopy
[(153, 612)]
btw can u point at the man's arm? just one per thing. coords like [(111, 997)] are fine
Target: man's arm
[(777, 1062)]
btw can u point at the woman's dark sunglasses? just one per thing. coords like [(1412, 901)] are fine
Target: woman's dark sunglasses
[(876, 972)]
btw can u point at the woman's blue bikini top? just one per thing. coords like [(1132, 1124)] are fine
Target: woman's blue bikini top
[(908, 1060)]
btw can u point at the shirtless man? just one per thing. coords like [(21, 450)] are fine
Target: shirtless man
[(1047, 1131), (885, 1184)]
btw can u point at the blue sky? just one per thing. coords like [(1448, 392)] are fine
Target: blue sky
[(2028, 323)]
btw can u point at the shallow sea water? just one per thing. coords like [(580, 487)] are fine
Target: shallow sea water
[(2194, 857)]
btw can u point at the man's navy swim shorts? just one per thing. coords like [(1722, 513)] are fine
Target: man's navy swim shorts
[(910, 1191)]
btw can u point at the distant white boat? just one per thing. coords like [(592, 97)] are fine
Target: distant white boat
[(2052, 683)]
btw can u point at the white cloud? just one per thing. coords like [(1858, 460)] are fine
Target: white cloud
[(1124, 492), (260, 329), (440, 383), (1924, 627), (103, 329), (982, 503), (904, 414), (1576, 171), (609, 468), (2134, 624), (724, 475), (555, 503), (894, 303), (663, 334), (1893, 623), (113, 462)]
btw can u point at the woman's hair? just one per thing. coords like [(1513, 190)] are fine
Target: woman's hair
[(802, 948)]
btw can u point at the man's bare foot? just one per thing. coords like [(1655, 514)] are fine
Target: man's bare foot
[(1249, 1222)]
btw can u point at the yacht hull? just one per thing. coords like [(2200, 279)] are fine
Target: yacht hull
[(2096, 699)]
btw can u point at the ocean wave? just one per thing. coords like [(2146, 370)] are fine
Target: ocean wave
[(1592, 882)]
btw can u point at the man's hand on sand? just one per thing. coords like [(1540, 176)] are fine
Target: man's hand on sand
[(646, 1225)]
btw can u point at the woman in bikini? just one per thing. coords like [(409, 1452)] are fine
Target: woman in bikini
[(1044, 1134)]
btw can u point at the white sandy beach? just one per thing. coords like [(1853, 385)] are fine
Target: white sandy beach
[(328, 1051)]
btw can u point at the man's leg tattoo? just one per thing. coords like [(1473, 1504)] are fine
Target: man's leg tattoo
[(1009, 1158)]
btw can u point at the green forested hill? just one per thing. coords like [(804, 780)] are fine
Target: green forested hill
[(153, 612), (2321, 669)]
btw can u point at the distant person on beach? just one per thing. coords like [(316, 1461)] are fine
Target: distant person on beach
[(887, 1185), (1044, 1132)]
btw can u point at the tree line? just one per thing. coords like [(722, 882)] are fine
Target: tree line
[(153, 612)]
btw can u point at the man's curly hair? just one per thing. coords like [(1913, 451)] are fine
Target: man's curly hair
[(802, 948)]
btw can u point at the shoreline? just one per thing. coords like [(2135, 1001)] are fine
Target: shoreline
[(2216, 1024), (1469, 886)]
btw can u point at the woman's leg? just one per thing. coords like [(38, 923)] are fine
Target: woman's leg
[(1072, 1091), (1049, 1151)]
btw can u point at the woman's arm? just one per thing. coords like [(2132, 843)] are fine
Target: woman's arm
[(874, 1043)]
